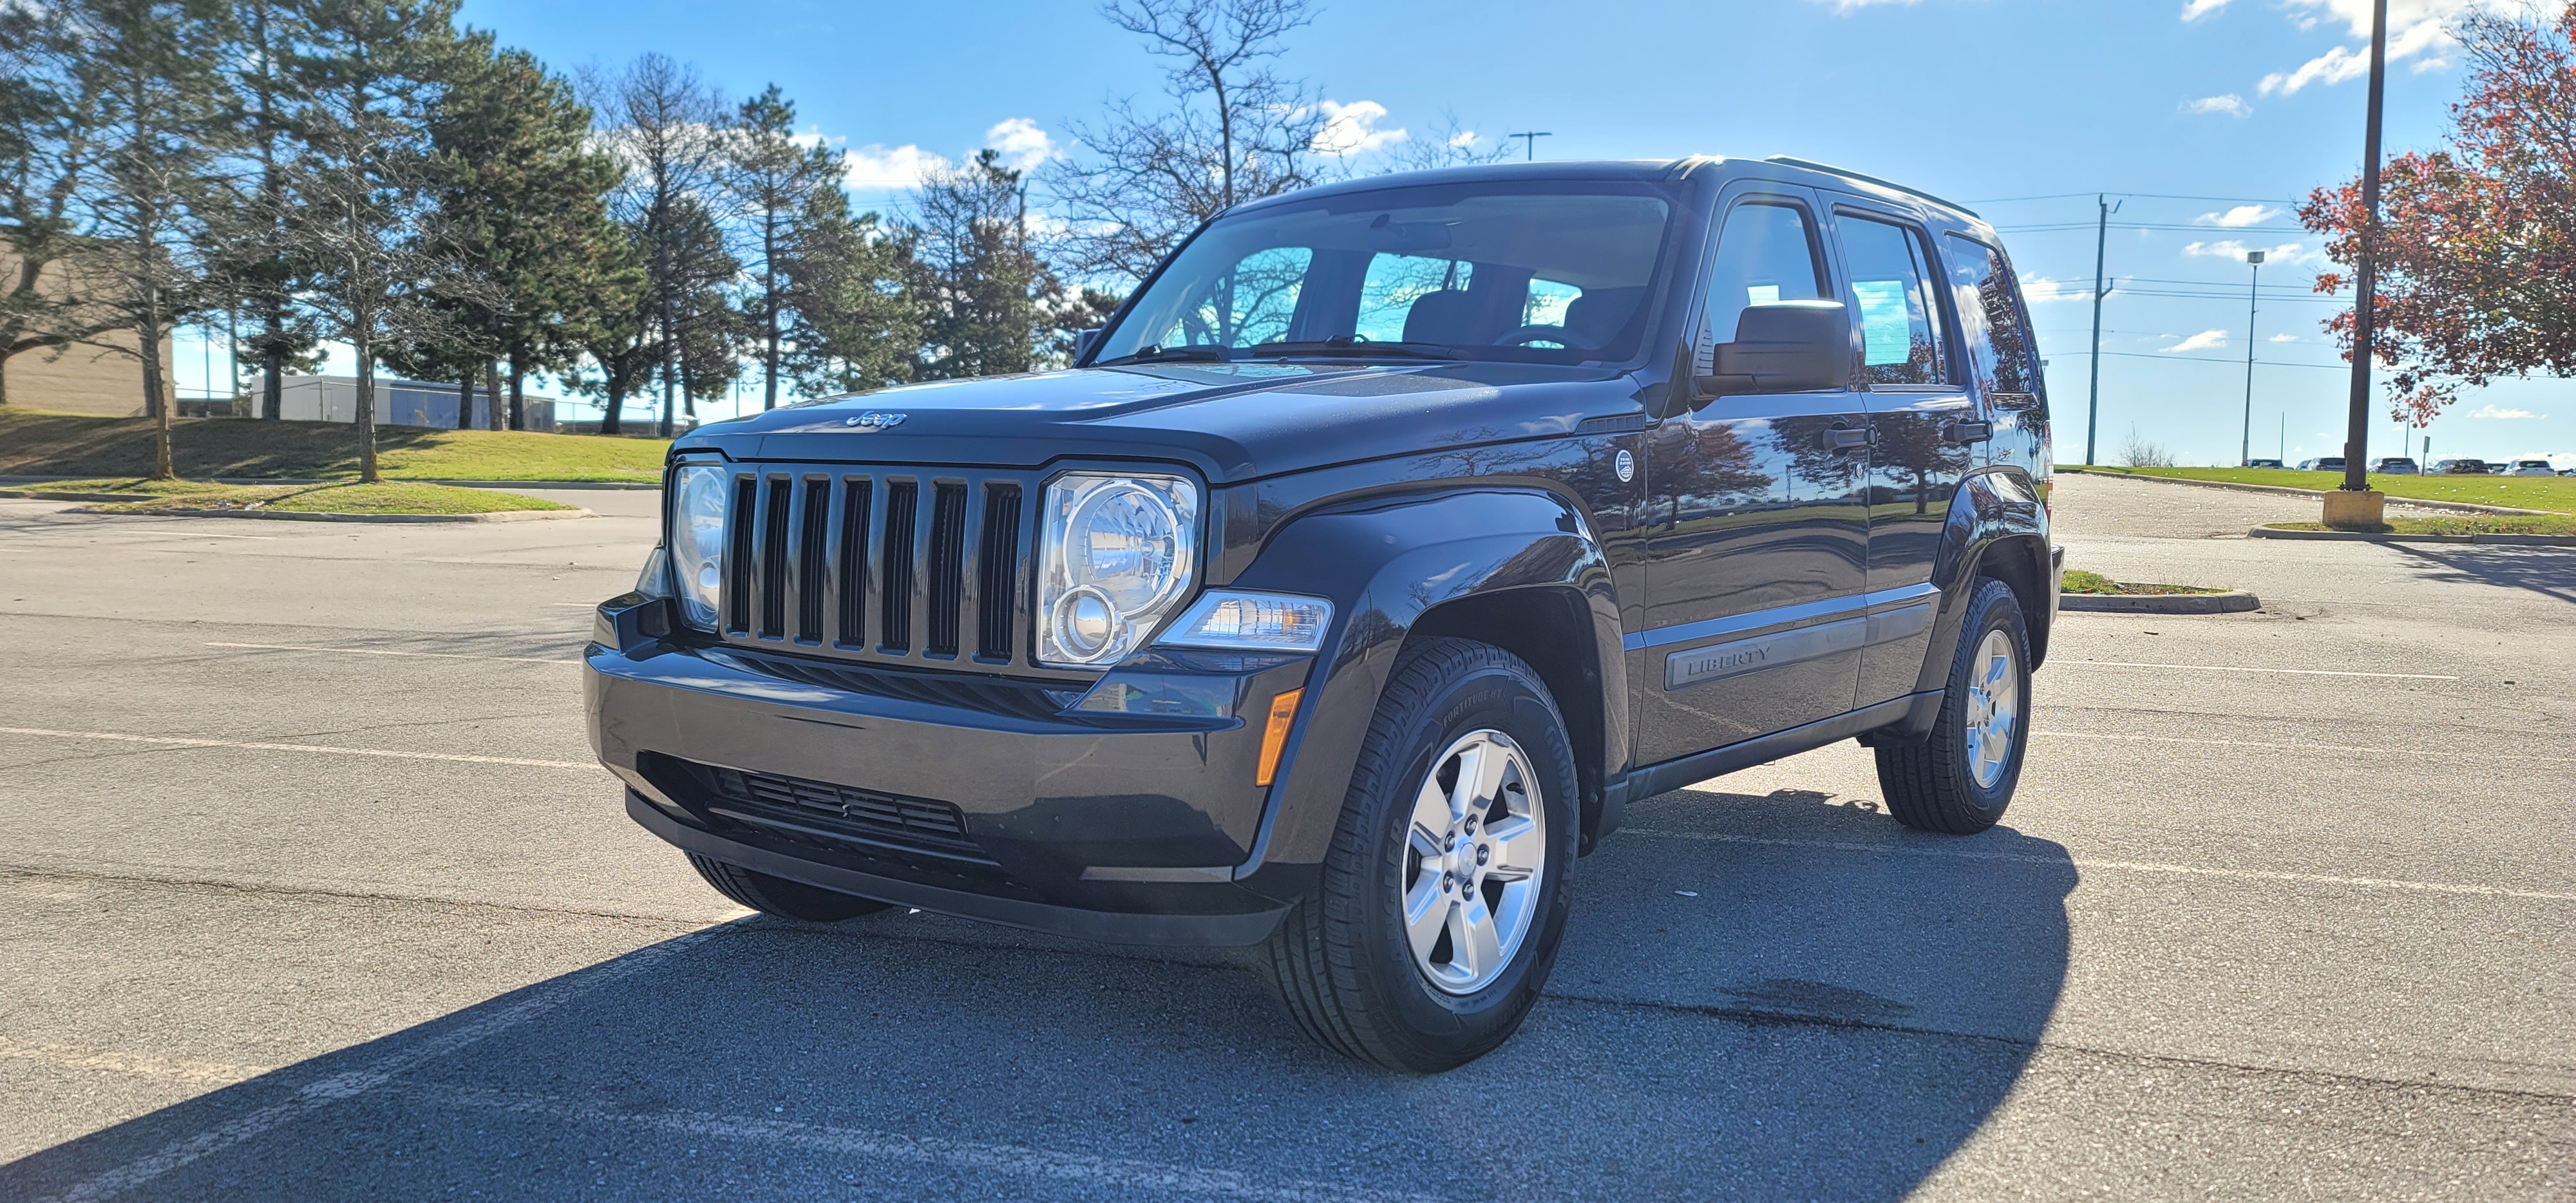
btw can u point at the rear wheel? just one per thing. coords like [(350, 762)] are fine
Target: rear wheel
[(1960, 778), (778, 896), (1444, 892)]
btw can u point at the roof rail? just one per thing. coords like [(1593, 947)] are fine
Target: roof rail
[(1847, 173)]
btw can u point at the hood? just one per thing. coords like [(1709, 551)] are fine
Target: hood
[(1232, 422)]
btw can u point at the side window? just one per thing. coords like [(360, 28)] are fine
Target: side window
[(2000, 346), (1248, 305), (1766, 254), (1900, 323)]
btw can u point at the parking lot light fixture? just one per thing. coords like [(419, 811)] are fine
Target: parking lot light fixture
[(2253, 298)]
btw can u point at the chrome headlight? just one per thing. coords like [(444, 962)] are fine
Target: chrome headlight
[(1119, 552), (697, 540)]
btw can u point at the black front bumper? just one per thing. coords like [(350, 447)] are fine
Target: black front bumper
[(1123, 812)]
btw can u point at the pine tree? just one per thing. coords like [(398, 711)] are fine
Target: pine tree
[(773, 179), (982, 292), (47, 142), (850, 323)]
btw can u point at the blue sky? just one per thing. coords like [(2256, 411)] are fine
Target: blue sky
[(2212, 115)]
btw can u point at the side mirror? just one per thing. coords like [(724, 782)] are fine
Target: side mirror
[(1084, 341), (1790, 347)]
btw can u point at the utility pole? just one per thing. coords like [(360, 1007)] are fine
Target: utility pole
[(2357, 430), (1530, 140), (2101, 246), (2253, 297)]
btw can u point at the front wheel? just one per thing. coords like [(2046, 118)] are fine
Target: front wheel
[(1444, 892), (1960, 778)]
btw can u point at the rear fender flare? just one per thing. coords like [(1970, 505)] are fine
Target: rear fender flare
[(1386, 563)]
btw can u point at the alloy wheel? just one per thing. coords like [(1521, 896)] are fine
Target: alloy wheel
[(1472, 861)]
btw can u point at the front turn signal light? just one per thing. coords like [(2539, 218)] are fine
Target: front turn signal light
[(1274, 735)]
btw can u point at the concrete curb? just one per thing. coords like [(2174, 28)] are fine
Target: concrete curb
[(2233, 602), (2357, 536), (292, 516), (2459, 507), (20, 481)]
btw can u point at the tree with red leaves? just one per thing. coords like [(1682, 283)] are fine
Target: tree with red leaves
[(2476, 250)]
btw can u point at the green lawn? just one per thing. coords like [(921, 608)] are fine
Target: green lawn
[(2461, 524), (35, 443), (2555, 493), (392, 497)]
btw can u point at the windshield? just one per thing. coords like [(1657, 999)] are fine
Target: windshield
[(1542, 273)]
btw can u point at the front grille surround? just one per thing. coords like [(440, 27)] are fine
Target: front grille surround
[(894, 565)]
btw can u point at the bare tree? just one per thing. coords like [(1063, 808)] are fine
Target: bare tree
[(1235, 130), (667, 127), (1452, 145)]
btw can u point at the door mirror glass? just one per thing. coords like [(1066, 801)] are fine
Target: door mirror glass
[(1791, 347)]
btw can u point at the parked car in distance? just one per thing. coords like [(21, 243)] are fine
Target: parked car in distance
[(2393, 465), (2262, 463), (2324, 463), (2462, 467), (1311, 608), (2530, 467)]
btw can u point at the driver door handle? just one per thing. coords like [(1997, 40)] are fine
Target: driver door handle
[(1844, 438)]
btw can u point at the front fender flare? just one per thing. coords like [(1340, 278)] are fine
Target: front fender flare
[(1386, 563)]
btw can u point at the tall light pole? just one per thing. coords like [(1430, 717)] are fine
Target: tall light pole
[(1530, 140), (2253, 295), (2101, 247), (2357, 429)]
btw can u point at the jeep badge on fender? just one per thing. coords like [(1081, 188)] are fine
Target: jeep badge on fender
[(1359, 573)]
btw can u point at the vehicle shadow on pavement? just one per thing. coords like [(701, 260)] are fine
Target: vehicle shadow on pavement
[(2549, 571), (1838, 1008)]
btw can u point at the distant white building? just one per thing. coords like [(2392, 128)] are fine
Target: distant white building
[(402, 403)]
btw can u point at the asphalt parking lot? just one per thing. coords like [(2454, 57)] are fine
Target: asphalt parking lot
[(315, 892)]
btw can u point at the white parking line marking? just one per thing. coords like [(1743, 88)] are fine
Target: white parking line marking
[(369, 651), (2428, 887), (2248, 743), (371, 1076), (178, 742), (2232, 668), (1115, 1177)]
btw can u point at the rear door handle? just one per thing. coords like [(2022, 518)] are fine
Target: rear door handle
[(1844, 438), (1967, 431)]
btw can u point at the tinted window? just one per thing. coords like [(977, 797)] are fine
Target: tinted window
[(1765, 255), (2000, 347), (1892, 303), (1556, 274)]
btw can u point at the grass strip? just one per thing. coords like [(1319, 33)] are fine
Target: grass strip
[(2455, 524), (391, 497), (2554, 493), (2078, 580), (35, 443)]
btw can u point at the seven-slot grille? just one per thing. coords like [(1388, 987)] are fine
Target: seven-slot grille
[(877, 564)]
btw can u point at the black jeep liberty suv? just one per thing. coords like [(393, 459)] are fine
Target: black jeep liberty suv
[(1387, 542)]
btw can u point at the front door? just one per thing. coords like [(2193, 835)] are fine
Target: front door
[(1925, 431), (1758, 526)]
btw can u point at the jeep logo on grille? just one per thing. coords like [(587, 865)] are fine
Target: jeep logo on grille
[(874, 420)]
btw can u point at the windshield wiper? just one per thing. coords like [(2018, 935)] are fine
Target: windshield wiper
[(1200, 353), (1347, 346)]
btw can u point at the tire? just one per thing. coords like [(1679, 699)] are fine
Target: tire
[(1955, 780), (781, 897), (1346, 961)]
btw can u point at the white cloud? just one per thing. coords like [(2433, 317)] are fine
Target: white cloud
[(874, 168), (2283, 338), (2230, 104), (1351, 129), (1845, 7), (2490, 411), (2040, 290), (2239, 217), (2416, 30), (2193, 10), (2206, 340), (2230, 248), (1023, 145)]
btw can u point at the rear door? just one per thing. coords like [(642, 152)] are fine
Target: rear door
[(1757, 527), (2003, 357), (1926, 430)]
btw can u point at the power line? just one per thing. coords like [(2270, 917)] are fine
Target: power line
[(2007, 200)]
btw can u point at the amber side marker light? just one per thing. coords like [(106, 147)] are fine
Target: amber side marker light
[(1274, 737)]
